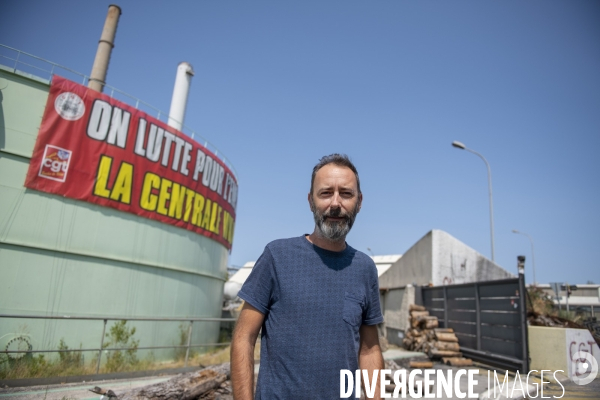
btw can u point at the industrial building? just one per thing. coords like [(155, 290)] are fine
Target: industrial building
[(79, 250)]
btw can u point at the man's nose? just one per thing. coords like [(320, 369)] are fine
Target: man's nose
[(335, 200)]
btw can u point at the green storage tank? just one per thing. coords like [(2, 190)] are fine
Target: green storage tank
[(64, 257)]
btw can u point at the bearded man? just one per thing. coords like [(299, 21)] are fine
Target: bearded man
[(315, 298)]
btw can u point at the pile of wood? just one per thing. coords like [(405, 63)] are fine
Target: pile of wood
[(210, 383), (438, 343)]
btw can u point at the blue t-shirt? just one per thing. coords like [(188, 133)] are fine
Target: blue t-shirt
[(314, 301)]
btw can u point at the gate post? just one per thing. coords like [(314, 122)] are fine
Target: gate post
[(523, 309)]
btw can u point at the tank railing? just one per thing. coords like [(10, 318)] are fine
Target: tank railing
[(187, 346), (17, 60)]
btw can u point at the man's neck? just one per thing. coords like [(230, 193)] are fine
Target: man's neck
[(324, 243)]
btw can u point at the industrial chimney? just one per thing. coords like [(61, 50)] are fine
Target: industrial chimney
[(105, 46), (183, 81)]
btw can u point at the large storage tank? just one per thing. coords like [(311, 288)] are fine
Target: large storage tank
[(65, 257)]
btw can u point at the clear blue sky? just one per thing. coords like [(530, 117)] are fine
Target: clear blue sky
[(391, 83)]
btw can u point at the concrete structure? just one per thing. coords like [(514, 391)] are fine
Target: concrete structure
[(60, 256), (384, 263), (556, 348), (440, 259), (436, 259)]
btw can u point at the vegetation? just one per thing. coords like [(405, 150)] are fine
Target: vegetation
[(539, 301), (121, 336), (179, 353), (542, 303), (70, 362), (35, 366)]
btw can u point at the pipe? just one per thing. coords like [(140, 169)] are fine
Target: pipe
[(105, 46), (183, 80)]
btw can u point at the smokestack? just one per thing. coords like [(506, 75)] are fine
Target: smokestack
[(105, 46), (183, 81)]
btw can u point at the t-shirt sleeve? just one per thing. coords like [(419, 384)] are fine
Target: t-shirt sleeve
[(258, 288), (373, 313)]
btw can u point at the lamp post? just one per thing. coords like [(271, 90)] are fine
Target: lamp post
[(461, 146), (532, 255), (370, 251)]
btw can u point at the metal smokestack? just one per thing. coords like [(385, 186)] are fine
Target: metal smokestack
[(181, 90), (105, 46)]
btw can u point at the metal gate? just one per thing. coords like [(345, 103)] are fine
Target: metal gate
[(489, 319)]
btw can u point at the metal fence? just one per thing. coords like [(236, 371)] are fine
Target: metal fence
[(188, 346), (20, 62), (489, 319)]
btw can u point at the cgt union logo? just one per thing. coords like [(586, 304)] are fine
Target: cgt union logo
[(55, 163)]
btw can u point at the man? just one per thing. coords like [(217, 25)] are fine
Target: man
[(315, 298)]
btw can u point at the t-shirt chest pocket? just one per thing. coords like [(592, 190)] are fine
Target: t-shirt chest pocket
[(353, 309)]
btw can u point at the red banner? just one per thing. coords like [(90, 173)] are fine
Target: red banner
[(94, 148)]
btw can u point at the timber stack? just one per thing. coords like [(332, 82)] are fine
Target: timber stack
[(438, 343)]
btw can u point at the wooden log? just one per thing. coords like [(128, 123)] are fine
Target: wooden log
[(426, 347), (444, 330), (416, 314), (421, 364), (433, 353), (414, 322), (446, 337), (415, 307), (452, 346), (430, 323), (183, 386), (420, 342), (457, 361), (429, 334)]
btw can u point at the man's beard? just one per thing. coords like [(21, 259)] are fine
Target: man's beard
[(334, 230)]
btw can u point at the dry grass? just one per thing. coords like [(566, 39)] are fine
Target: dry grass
[(539, 302), (39, 367), (211, 357)]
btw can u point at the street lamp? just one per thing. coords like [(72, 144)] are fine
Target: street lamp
[(370, 251), (532, 255), (461, 146)]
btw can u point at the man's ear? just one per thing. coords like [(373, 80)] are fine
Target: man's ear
[(360, 199), (310, 202)]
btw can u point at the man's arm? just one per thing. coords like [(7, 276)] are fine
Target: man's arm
[(369, 354), (242, 352)]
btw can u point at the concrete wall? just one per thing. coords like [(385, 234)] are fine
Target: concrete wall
[(440, 259), (414, 267), (555, 349), (547, 348), (454, 262), (395, 303)]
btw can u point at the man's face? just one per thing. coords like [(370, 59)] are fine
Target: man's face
[(335, 201)]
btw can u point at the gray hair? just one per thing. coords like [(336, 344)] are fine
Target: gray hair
[(341, 160)]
